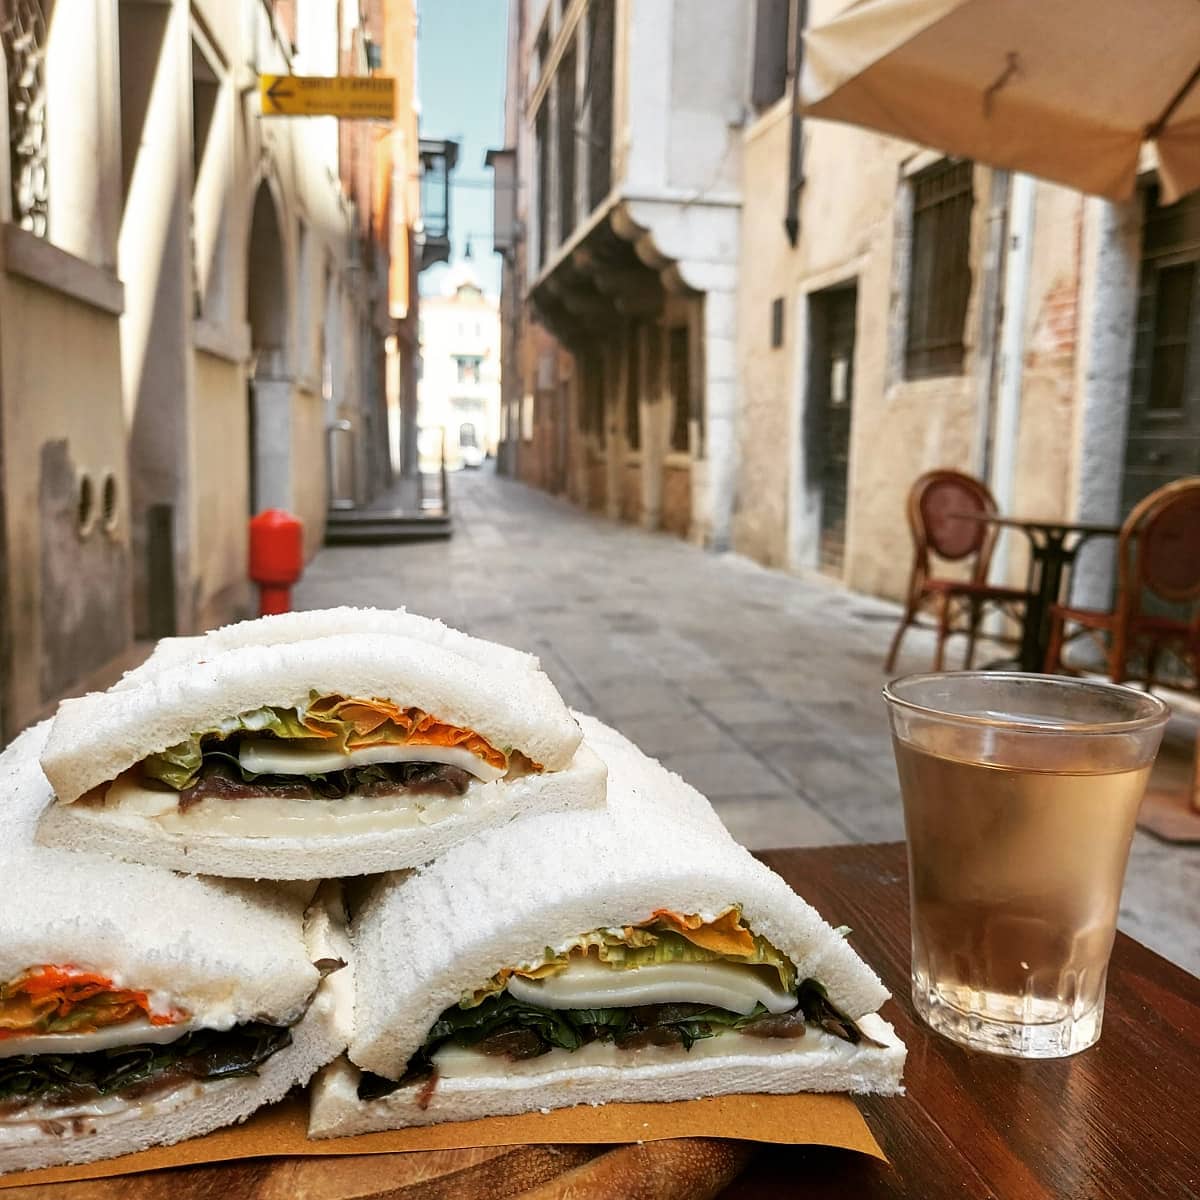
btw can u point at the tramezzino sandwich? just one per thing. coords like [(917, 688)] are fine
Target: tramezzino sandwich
[(288, 749), (637, 953), (139, 1007)]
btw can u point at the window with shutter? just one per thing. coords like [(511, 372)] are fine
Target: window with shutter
[(771, 27), (940, 270)]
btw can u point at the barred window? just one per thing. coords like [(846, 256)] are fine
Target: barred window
[(940, 280)]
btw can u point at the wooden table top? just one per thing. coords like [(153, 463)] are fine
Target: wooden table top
[(1119, 1122), (1090, 528)]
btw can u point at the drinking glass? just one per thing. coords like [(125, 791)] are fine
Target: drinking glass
[(1020, 797)]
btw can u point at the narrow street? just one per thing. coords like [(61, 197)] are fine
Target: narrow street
[(759, 687)]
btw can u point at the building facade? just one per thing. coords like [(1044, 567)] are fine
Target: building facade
[(619, 370), (189, 302), (905, 311), (459, 387), (892, 311)]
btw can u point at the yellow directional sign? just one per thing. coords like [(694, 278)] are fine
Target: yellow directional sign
[(327, 96)]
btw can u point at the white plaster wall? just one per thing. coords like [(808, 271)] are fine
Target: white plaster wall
[(60, 386), (854, 226)]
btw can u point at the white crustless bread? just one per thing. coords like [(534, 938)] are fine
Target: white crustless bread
[(228, 953), (96, 737), (421, 941), (329, 622)]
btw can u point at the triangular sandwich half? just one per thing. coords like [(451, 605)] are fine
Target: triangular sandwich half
[(139, 1007), (636, 953), (321, 756)]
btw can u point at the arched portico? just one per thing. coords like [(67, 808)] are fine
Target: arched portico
[(269, 379)]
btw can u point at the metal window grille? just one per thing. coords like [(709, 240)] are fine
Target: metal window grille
[(25, 41), (940, 282), (565, 84), (598, 99), (679, 379)]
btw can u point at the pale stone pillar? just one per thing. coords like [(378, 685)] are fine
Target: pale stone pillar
[(1104, 378), (271, 454)]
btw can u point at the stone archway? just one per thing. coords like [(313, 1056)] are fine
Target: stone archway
[(269, 383)]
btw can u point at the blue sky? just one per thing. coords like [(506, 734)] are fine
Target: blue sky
[(460, 82)]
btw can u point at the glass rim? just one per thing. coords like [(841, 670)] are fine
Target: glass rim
[(1157, 712)]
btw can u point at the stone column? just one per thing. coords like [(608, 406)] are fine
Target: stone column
[(271, 453), (1103, 380)]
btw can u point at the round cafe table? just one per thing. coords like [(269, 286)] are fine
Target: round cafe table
[(1053, 546)]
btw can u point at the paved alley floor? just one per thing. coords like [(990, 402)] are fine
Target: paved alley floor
[(759, 687)]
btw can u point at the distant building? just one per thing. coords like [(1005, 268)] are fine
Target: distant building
[(624, 119), (458, 392)]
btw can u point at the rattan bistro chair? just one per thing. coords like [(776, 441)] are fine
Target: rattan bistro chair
[(1158, 554), (935, 504)]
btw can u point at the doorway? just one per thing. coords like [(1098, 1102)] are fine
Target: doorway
[(1163, 437), (830, 404)]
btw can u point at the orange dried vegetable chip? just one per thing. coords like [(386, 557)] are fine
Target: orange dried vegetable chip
[(725, 935), (50, 993), (374, 720)]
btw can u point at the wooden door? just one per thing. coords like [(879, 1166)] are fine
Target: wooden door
[(831, 401), (1163, 439)]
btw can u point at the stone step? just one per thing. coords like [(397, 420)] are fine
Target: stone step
[(382, 526)]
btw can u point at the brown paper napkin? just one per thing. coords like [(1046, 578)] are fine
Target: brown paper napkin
[(806, 1119)]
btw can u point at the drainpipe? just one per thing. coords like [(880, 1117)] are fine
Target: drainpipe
[(1012, 356), (991, 320), (795, 178)]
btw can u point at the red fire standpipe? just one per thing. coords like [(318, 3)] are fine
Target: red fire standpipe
[(276, 558)]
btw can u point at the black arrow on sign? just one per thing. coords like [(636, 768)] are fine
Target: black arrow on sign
[(275, 94)]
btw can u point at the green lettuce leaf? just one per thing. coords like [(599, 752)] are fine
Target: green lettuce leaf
[(178, 766), (652, 944)]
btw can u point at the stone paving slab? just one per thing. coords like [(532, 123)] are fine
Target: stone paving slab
[(760, 687)]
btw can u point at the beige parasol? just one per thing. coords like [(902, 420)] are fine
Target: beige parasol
[(1065, 89)]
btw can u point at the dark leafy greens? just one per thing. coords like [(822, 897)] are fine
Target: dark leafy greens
[(221, 776), (78, 1078), (505, 1026), (818, 1009), (327, 722)]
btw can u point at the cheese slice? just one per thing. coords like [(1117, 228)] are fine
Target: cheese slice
[(465, 1062), (587, 983), (128, 1033), (273, 756), (131, 801)]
